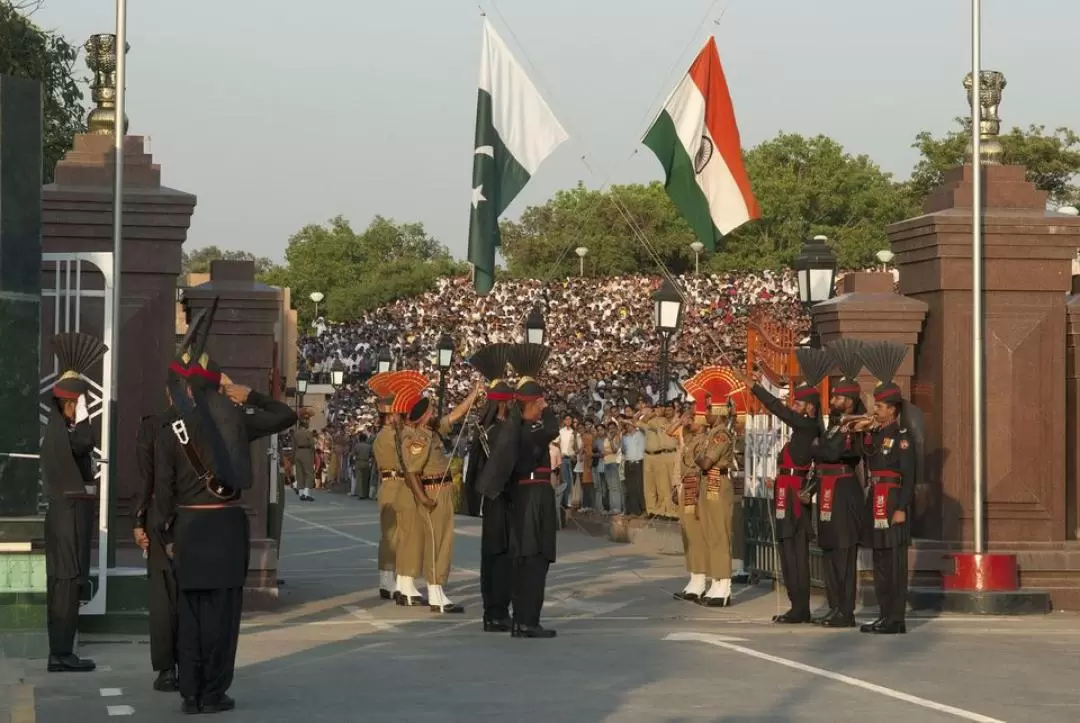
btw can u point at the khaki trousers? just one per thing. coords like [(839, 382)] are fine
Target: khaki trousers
[(438, 531), (409, 555), (716, 510), (695, 547), (654, 472), (388, 488), (673, 467)]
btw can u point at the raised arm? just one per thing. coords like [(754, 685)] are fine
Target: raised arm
[(781, 411), (266, 415)]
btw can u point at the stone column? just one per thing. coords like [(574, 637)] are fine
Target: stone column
[(1028, 256), (242, 343), (20, 297), (22, 560), (1072, 418), (78, 218)]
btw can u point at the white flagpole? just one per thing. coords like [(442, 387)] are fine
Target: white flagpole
[(977, 381)]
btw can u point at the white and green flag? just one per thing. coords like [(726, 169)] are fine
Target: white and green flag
[(515, 132)]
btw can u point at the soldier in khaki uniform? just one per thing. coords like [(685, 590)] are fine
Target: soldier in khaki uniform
[(384, 449), (670, 459), (716, 504), (426, 461), (686, 496), (657, 469)]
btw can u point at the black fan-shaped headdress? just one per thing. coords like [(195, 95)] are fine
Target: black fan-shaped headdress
[(883, 360), (76, 352), (192, 366), (528, 361), (815, 365), (491, 361), (846, 355)]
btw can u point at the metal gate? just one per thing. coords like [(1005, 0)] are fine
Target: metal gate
[(79, 289)]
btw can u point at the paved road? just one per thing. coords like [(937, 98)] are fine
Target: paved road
[(626, 651)]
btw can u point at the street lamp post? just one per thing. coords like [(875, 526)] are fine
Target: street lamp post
[(337, 374), (301, 390), (581, 251), (697, 247), (815, 267), (384, 361), (317, 296), (534, 327), (885, 256), (667, 315), (446, 359)]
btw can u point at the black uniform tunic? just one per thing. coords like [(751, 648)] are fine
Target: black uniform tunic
[(496, 563), (520, 471), (840, 496), (891, 463), (67, 467), (793, 523), (212, 549), (162, 592)]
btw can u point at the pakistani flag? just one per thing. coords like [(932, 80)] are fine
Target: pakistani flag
[(697, 141), (515, 132)]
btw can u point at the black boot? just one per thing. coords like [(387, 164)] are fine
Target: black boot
[(218, 704), (792, 618), (872, 627), (530, 631), (70, 664), (500, 624), (190, 706), (166, 682), (891, 627), (840, 620), (820, 620)]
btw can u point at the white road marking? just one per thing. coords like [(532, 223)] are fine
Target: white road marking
[(367, 617), (331, 530), (111, 692), (593, 608), (728, 644), (120, 710)]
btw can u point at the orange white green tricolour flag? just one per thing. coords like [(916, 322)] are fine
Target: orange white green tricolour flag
[(697, 141)]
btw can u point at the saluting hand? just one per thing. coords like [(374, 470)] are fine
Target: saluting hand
[(238, 393), (141, 539)]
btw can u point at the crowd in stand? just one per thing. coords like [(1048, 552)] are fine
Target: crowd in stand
[(601, 332)]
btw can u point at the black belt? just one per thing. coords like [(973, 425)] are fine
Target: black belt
[(654, 453), (722, 470), (790, 472), (432, 481), (389, 475), (535, 480), (835, 470)]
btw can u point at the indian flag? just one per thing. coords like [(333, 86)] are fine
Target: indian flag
[(697, 141), (515, 132)]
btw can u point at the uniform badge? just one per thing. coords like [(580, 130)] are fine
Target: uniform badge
[(416, 448), (886, 444), (904, 444)]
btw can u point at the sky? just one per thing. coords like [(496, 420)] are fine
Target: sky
[(278, 115)]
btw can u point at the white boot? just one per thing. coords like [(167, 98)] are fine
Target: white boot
[(387, 583), (406, 585), (694, 588), (719, 594), (440, 602)]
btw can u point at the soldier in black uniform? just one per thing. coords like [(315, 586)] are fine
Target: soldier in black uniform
[(202, 461), (67, 467), (496, 563), (792, 491), (892, 443), (159, 568), (519, 470), (840, 499)]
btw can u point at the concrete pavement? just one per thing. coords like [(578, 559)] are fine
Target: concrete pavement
[(626, 651)]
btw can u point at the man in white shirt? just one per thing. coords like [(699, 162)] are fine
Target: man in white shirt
[(568, 448)]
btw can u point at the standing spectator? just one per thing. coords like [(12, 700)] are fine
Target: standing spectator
[(362, 474)]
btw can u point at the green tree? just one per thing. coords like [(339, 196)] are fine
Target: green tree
[(28, 51), (198, 260), (360, 271), (1052, 159), (806, 186)]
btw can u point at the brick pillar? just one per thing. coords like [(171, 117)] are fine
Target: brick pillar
[(78, 217), (1072, 422), (1028, 254), (242, 343)]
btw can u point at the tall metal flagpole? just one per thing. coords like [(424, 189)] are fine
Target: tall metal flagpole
[(117, 266), (977, 385)]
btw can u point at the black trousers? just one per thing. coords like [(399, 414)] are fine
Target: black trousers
[(62, 609), (635, 488), (795, 565), (840, 578), (163, 622), (891, 581), (530, 578), (209, 630), (496, 584)]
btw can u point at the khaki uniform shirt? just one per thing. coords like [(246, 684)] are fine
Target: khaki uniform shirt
[(384, 448), (425, 454)]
